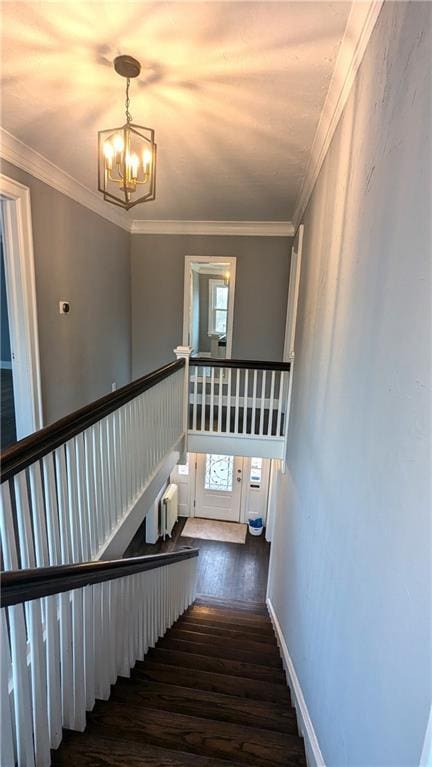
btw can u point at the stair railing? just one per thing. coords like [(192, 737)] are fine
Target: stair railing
[(66, 489), (68, 631)]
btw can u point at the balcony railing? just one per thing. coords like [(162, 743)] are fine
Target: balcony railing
[(237, 400)]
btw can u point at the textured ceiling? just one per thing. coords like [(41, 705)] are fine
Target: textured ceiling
[(234, 91)]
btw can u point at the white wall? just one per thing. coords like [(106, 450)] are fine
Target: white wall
[(351, 562)]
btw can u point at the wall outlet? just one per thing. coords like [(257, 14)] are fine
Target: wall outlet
[(113, 386), (64, 307)]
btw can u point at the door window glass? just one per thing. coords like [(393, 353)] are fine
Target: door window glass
[(219, 473), (256, 471)]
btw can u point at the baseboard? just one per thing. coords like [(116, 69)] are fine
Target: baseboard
[(314, 756)]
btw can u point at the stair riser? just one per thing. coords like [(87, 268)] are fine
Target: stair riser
[(208, 705), (205, 680), (220, 666), (249, 645), (224, 652), (227, 629), (83, 750)]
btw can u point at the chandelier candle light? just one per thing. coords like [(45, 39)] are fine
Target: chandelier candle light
[(127, 155)]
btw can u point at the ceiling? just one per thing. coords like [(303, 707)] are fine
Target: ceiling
[(234, 91)]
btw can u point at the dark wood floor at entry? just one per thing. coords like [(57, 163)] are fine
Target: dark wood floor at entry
[(226, 570)]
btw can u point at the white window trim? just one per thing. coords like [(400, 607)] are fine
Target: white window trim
[(187, 302), (214, 282), (21, 297)]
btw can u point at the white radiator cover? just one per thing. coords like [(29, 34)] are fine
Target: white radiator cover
[(169, 509)]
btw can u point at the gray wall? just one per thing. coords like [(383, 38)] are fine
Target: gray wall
[(157, 294), (351, 560), (83, 258)]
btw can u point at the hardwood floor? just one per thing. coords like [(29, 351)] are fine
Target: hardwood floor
[(188, 705), (228, 570)]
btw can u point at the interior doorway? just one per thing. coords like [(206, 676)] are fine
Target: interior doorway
[(22, 396), (209, 287), (7, 409)]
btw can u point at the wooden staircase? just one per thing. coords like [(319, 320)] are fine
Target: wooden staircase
[(212, 693)]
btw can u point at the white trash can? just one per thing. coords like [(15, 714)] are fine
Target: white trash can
[(255, 524)]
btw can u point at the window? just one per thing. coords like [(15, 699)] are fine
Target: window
[(219, 473), (183, 471), (255, 472), (218, 307)]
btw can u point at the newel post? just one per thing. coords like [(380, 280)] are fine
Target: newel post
[(185, 352)]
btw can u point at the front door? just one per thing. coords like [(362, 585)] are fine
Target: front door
[(218, 487)]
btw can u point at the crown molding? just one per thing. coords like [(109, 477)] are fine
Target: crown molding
[(361, 22), (22, 156), (237, 228)]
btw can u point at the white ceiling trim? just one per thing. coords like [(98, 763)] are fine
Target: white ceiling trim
[(360, 25), (22, 156), (238, 228), (16, 152)]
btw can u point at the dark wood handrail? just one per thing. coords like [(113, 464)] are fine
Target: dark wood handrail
[(30, 449), (219, 362), (24, 585)]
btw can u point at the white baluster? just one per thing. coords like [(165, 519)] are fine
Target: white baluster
[(245, 401), (228, 412), (262, 403), (212, 382), (280, 403), (254, 398), (7, 749), (237, 402), (203, 398), (270, 418), (194, 373), (220, 400)]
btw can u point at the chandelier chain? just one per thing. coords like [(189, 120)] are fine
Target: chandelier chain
[(127, 102)]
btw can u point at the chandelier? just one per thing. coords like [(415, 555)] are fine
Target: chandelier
[(127, 155)]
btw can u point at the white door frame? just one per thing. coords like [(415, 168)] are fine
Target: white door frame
[(21, 297), (290, 327), (187, 303), (293, 294)]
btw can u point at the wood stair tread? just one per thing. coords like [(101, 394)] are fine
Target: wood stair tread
[(220, 665), (238, 743), (224, 652), (84, 750), (210, 680), (220, 641), (228, 629), (258, 608), (206, 704), (228, 615)]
